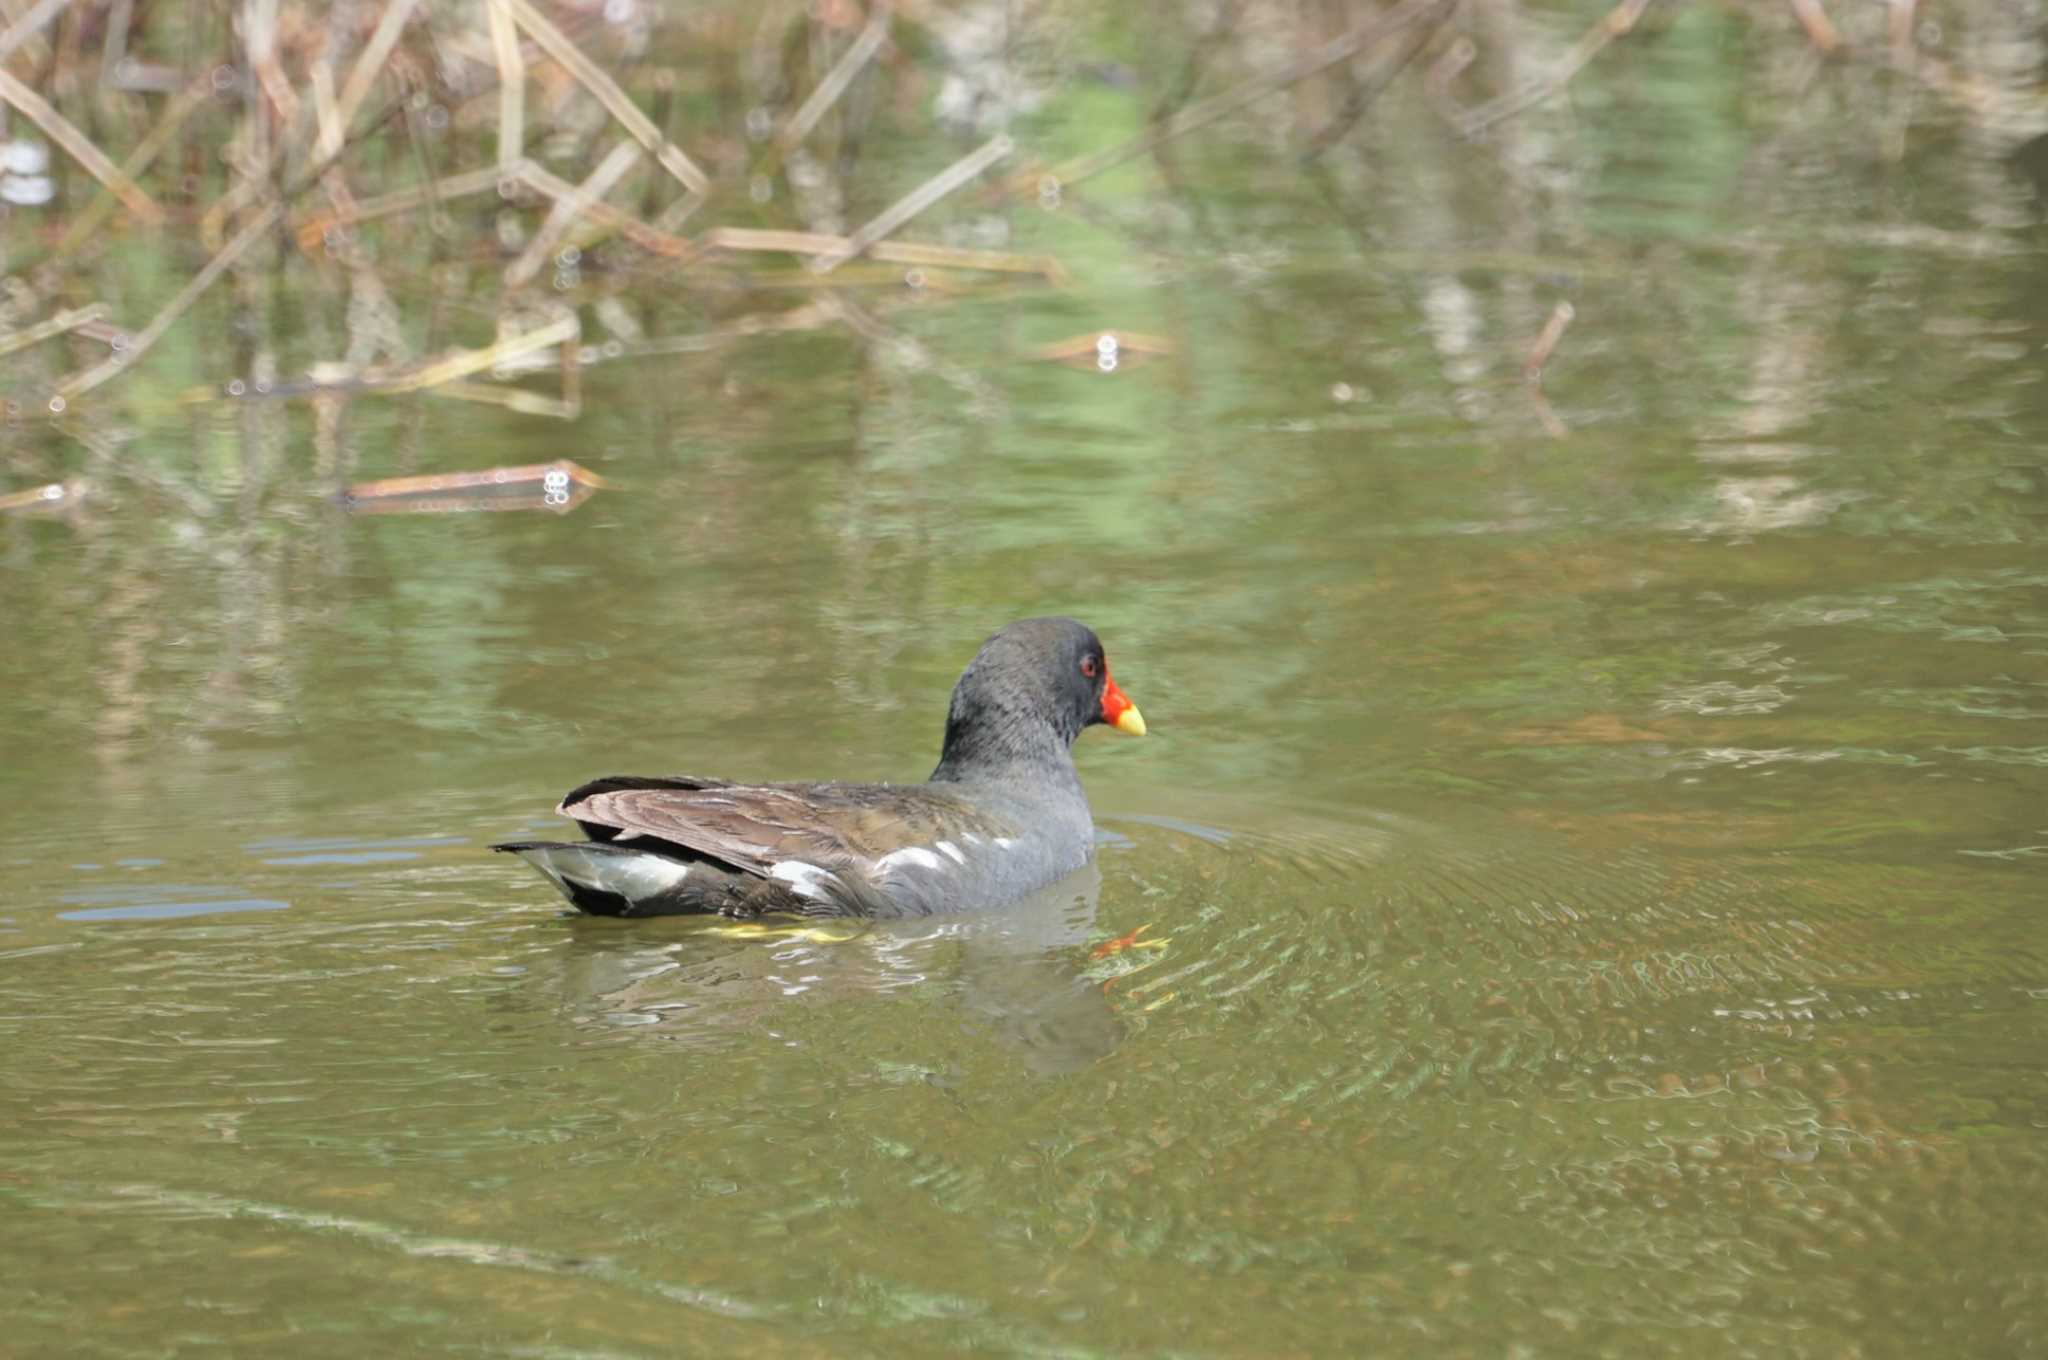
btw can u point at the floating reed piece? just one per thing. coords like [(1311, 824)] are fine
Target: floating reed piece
[(54, 498), (1104, 351), (1546, 342), (56, 325), (559, 486)]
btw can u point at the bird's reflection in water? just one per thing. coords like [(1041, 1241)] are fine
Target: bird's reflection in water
[(1016, 971)]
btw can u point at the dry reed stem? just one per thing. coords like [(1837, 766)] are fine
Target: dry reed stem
[(607, 92), (462, 363), (916, 201), (80, 148), (1820, 30), (195, 94), (469, 182), (28, 26), (837, 79), (259, 40), (511, 87), (1341, 48), (429, 374), (139, 344), (56, 325), (511, 398), (568, 207), (1546, 343), (647, 237), (1617, 22), (328, 134), (892, 252), (114, 50), (370, 62)]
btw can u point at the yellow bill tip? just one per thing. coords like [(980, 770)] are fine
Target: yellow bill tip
[(1131, 722)]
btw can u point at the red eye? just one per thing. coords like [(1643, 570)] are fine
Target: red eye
[(1088, 667)]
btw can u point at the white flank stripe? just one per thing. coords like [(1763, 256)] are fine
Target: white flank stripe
[(802, 878), (1004, 842), (952, 852), (910, 854)]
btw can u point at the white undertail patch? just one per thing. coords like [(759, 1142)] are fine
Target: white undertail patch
[(910, 854), (632, 876)]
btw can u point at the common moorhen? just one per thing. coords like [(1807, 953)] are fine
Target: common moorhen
[(1002, 816)]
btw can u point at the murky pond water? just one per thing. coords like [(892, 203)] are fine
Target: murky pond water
[(1580, 895)]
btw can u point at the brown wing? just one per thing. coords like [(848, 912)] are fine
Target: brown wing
[(753, 827)]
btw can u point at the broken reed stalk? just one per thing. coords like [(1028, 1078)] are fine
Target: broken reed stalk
[(183, 104), (80, 148), (916, 201), (1364, 92), (28, 26), (1546, 343), (837, 79), (607, 92), (56, 325), (511, 398), (1617, 22), (568, 207), (460, 364), (511, 86), (327, 125), (1820, 29), (370, 62), (87, 379), (312, 229), (892, 252), (632, 228), (1532, 368), (1338, 49)]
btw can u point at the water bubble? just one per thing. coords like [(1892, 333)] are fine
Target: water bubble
[(236, 387), (417, 102), (1342, 392), (612, 349), (508, 188), (760, 122), (262, 385), (225, 78), (585, 355), (569, 257), (913, 278), (58, 405), (437, 117), (1929, 34)]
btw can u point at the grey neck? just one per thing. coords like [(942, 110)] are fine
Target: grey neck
[(1006, 744)]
